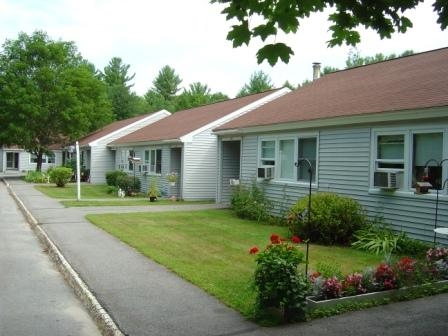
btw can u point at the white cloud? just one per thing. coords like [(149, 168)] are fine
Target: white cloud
[(190, 36)]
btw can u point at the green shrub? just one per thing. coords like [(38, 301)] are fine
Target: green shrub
[(33, 176), (378, 238), (112, 176), (328, 270), (278, 282), (61, 176), (250, 203), (334, 218), (128, 184)]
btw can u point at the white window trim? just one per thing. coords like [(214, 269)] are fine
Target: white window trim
[(290, 136), (149, 163), (408, 133)]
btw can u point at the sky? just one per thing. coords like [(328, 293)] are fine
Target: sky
[(190, 36)]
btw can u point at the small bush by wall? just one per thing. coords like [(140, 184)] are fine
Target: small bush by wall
[(33, 176), (334, 218), (250, 202), (112, 176), (61, 176), (129, 184)]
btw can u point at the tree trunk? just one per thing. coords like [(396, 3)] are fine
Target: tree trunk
[(39, 161)]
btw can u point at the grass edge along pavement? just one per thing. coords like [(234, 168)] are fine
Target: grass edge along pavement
[(100, 316), (210, 248)]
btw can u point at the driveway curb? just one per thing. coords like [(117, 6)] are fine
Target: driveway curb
[(102, 319)]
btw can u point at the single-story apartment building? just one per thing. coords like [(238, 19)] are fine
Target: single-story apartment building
[(14, 159), (183, 144), (96, 157), (374, 133)]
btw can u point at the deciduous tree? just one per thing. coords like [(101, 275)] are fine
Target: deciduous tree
[(267, 18), (48, 94)]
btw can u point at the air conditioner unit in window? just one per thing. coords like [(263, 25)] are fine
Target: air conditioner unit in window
[(389, 180), (266, 173), (145, 168)]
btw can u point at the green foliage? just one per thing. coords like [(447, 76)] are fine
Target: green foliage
[(266, 19), (250, 202), (167, 83), (36, 177), (128, 184), (355, 59), (378, 238), (278, 282), (112, 176), (61, 176), (334, 218), (328, 270), (259, 82), (153, 190), (49, 94), (124, 102)]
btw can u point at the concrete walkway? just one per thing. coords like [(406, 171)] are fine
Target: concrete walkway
[(34, 297), (144, 298)]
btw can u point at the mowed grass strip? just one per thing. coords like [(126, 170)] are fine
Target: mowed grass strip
[(210, 249), (70, 191)]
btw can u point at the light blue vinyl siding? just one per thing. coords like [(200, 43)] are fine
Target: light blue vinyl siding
[(344, 161)]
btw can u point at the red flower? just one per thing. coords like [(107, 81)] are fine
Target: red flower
[(275, 239), (254, 250), (296, 239)]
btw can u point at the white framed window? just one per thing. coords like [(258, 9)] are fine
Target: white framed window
[(267, 153), (45, 158), (427, 152), (414, 153), (153, 160), (390, 152), (284, 152), (307, 149)]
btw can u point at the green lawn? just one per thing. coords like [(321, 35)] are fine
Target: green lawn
[(210, 249), (96, 195), (88, 191)]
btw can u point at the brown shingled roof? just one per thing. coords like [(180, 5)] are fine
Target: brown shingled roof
[(186, 121), (413, 82), (110, 128)]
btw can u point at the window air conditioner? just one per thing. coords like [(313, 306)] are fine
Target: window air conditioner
[(266, 173), (388, 180), (144, 168)]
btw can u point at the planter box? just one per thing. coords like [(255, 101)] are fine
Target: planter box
[(387, 294)]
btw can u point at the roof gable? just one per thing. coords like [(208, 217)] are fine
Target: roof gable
[(414, 82), (184, 122)]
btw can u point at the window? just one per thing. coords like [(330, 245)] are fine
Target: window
[(130, 163), (268, 153), (45, 158), (308, 150), (287, 159), (283, 153), (153, 158), (414, 154), (427, 151), (390, 152)]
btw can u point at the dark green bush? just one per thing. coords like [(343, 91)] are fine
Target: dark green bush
[(250, 203), (334, 218), (129, 184), (412, 247), (61, 176), (112, 176)]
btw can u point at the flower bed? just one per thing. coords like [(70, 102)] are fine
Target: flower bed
[(314, 303), (387, 280)]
